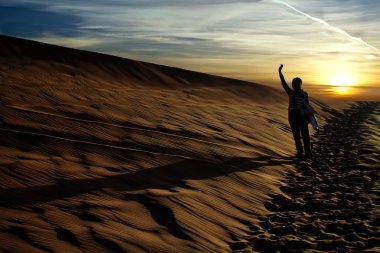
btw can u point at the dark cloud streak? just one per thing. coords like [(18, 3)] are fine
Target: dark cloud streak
[(24, 21)]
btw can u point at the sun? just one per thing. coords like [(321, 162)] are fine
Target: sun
[(342, 83), (342, 90), (342, 80)]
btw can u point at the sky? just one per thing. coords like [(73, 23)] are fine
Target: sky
[(333, 45)]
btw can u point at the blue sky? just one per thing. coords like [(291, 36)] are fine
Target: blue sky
[(319, 40)]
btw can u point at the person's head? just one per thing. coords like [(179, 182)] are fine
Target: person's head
[(296, 83)]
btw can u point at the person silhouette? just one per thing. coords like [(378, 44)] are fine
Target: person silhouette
[(298, 123)]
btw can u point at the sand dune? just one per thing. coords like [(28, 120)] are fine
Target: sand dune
[(105, 154)]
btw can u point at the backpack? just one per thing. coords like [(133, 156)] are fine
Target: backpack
[(305, 109)]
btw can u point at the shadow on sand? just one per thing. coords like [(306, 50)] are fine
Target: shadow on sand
[(163, 177)]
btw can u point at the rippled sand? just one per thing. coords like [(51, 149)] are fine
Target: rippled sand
[(103, 154)]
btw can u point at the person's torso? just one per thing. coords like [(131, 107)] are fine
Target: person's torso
[(297, 99)]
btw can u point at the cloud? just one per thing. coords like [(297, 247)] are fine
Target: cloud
[(370, 57), (243, 39), (73, 42), (336, 29), (31, 20)]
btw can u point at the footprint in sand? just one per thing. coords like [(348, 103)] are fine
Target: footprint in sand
[(332, 201)]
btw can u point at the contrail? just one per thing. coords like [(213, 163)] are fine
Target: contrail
[(336, 29)]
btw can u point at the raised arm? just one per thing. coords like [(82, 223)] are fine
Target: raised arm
[(284, 84)]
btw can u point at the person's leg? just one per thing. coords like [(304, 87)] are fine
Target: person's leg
[(306, 137), (295, 126)]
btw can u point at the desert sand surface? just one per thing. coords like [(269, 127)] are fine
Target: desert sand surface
[(105, 154), (331, 204)]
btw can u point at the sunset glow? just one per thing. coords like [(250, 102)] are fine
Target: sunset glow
[(342, 90), (326, 43), (342, 80)]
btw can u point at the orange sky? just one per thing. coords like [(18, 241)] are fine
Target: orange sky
[(332, 45)]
